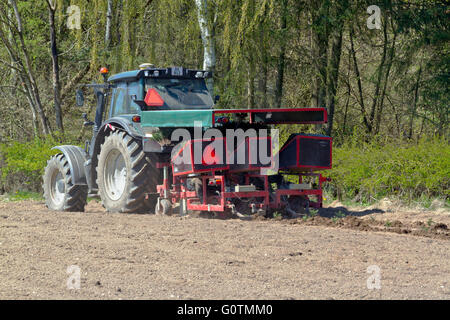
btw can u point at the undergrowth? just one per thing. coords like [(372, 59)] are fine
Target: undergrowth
[(367, 172)]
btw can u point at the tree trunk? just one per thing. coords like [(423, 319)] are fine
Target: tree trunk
[(70, 85), (333, 75), (251, 86), (319, 46), (385, 82), (262, 85), (22, 77), (209, 50), (55, 65), (376, 94), (349, 91), (282, 56), (338, 8), (414, 106), (25, 66), (358, 78), (108, 24), (263, 68)]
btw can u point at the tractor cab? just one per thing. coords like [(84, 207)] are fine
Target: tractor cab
[(150, 88)]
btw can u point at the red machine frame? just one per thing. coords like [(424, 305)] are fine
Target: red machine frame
[(299, 166), (252, 113), (177, 191), (220, 203)]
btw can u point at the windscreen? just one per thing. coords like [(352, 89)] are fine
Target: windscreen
[(181, 93)]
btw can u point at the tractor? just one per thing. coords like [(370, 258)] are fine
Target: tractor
[(158, 143)]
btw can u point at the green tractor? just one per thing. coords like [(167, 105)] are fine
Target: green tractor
[(133, 160)]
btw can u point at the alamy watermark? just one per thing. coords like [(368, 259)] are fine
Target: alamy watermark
[(374, 281), (74, 17), (237, 146), (374, 20), (74, 279)]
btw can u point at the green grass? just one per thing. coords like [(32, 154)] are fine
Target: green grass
[(23, 195), (29, 195)]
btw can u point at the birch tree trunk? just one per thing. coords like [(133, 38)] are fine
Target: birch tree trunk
[(209, 50)]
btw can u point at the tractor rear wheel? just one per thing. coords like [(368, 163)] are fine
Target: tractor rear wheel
[(126, 177), (59, 192)]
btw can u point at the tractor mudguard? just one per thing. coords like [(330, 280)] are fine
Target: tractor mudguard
[(76, 158), (121, 123)]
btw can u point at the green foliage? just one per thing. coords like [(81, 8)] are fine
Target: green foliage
[(313, 212), (23, 163), (339, 215), (370, 171)]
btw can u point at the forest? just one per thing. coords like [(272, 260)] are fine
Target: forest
[(381, 68)]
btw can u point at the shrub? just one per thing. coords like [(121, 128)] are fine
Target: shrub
[(23, 163), (368, 171)]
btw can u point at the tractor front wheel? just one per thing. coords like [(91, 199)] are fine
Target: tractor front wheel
[(59, 192), (125, 175)]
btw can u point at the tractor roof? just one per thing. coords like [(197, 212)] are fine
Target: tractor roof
[(172, 72), (127, 75)]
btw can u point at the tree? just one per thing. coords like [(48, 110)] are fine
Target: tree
[(18, 52), (207, 34), (319, 10), (389, 82), (108, 24), (282, 54), (55, 64), (338, 11)]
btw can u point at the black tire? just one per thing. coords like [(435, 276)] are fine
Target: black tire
[(59, 192), (129, 191)]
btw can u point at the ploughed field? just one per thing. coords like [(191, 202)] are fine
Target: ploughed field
[(132, 256)]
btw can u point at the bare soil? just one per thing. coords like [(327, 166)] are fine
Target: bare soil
[(131, 256)]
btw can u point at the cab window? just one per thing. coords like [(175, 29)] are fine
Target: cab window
[(181, 93), (121, 102)]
